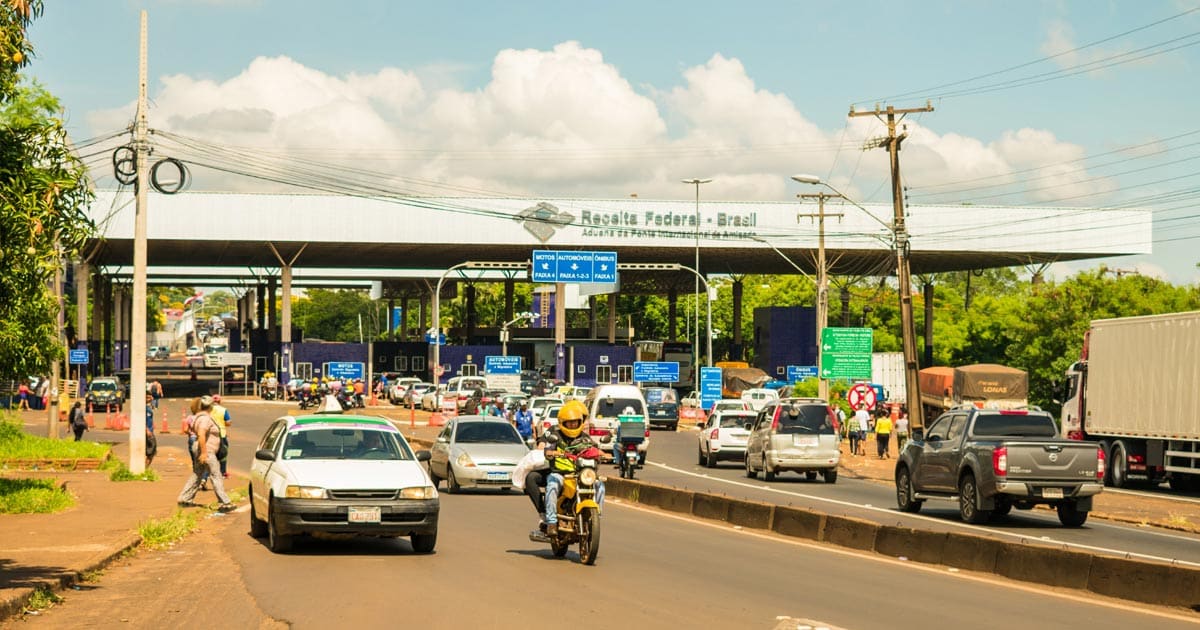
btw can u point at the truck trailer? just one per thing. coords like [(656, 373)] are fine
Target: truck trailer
[(981, 385), (1135, 390)]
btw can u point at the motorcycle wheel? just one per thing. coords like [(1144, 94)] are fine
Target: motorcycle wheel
[(558, 547), (589, 536)]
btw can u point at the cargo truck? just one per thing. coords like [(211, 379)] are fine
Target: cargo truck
[(981, 385), (887, 371), (1136, 391)]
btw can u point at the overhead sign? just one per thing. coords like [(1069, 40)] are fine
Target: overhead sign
[(344, 370), (710, 386), (846, 353), (574, 267), (655, 371), (77, 357), (502, 365), (225, 359), (861, 394), (801, 372)]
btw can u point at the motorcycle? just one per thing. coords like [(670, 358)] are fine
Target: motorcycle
[(631, 432), (578, 512), (307, 400)]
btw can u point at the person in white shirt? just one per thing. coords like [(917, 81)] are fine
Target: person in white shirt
[(864, 422)]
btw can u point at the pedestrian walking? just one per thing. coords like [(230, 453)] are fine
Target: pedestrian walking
[(156, 392), (220, 415), (864, 424), (852, 431), (23, 394), (901, 429), (204, 457), (78, 421), (883, 434), (151, 440)]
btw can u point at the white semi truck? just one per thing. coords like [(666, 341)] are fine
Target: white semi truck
[(1136, 390)]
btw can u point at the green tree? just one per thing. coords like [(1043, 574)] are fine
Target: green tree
[(43, 198)]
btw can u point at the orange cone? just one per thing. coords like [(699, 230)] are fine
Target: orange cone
[(437, 420), (165, 428), (91, 421)]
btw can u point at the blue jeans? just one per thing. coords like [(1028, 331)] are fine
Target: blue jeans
[(554, 485)]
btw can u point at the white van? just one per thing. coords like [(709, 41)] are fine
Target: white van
[(460, 388), (605, 403)]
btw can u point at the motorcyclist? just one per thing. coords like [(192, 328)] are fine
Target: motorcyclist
[(566, 439), (617, 447)]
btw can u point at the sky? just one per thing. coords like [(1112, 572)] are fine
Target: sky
[(1043, 103)]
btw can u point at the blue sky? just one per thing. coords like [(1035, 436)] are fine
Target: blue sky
[(607, 99)]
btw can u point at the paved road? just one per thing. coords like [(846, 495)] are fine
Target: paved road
[(673, 462)]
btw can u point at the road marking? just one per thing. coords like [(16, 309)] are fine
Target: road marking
[(1153, 495), (891, 512), (1089, 598)]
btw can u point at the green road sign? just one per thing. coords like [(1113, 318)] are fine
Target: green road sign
[(846, 365), (842, 340)]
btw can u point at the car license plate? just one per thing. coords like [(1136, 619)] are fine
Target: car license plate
[(1052, 493), (364, 515), (502, 476), (805, 440)]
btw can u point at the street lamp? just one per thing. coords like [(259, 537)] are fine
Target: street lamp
[(696, 347), (504, 329)]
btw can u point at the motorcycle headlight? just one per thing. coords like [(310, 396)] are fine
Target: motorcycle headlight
[(587, 462), (587, 476), (420, 492), (465, 461), (305, 492)]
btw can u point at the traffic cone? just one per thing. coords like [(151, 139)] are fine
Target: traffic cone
[(91, 420), (108, 423), (437, 419), (165, 428)]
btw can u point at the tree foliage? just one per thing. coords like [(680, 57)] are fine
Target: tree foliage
[(43, 198)]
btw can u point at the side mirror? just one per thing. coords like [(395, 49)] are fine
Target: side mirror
[(443, 439), (748, 425), (264, 454), (424, 455)]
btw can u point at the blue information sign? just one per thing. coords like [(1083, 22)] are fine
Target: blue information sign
[(77, 357), (502, 365), (801, 372), (344, 370), (655, 371), (710, 386), (574, 267), (440, 339), (397, 316)]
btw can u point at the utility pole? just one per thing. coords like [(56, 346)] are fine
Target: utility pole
[(903, 271), (137, 365), (822, 276), (54, 385)]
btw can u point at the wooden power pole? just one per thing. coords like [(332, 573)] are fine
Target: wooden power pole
[(891, 116)]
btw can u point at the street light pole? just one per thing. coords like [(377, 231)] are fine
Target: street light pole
[(822, 271), (696, 347)]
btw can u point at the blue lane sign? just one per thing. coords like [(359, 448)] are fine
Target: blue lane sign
[(710, 386), (573, 266), (77, 357), (801, 372), (655, 371), (439, 339), (344, 370), (502, 365)]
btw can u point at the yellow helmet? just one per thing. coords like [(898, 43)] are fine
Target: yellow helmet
[(572, 412)]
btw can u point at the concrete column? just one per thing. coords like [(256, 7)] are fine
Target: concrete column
[(738, 351), (391, 308), (560, 332), (593, 328), (422, 317), (612, 318), (285, 322), (107, 327), (470, 293), (929, 323), (508, 300), (272, 315), (82, 271), (260, 306), (672, 328), (405, 318)]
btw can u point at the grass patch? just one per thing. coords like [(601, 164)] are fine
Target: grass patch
[(42, 599), (121, 472), (15, 443), (41, 496), (90, 577), (160, 532)]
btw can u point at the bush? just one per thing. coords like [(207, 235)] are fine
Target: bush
[(15, 443), (25, 496)]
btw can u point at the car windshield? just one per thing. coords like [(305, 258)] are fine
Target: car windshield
[(613, 407), (659, 395), (486, 433), (104, 386), (812, 419), (1014, 425), (344, 444), (735, 420)]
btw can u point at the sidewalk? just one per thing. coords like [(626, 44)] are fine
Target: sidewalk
[(54, 550)]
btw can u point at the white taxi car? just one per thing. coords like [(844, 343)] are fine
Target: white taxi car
[(340, 474)]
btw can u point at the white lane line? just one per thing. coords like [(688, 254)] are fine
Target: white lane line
[(894, 513), (1153, 495), (1036, 589)]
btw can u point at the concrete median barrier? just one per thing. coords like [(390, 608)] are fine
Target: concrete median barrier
[(1044, 565), (797, 523), (751, 514), (1131, 579), (711, 506), (973, 553), (919, 545), (669, 499), (854, 533)]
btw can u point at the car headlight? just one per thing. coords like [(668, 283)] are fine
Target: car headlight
[(420, 492), (305, 492), (465, 461), (587, 476)]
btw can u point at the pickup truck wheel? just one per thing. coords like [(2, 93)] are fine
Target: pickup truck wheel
[(1120, 465), (1070, 515), (904, 492), (968, 501)]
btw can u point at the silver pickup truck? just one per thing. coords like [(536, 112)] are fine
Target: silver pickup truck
[(991, 461)]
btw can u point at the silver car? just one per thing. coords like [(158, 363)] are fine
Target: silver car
[(476, 452), (724, 437), (795, 435)]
